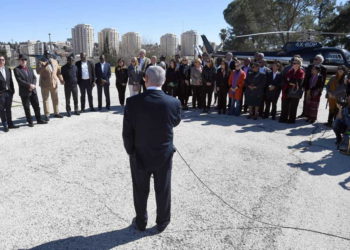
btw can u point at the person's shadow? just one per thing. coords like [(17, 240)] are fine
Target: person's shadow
[(103, 241)]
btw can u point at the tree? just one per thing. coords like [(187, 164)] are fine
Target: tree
[(251, 16), (109, 54), (340, 23)]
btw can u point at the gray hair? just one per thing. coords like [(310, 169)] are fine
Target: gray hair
[(319, 56), (142, 50), (155, 75)]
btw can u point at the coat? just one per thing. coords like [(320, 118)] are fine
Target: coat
[(134, 74), (50, 73), (105, 75), (238, 93), (196, 77), (24, 79), (149, 119), (91, 69), (273, 95), (8, 83), (254, 97)]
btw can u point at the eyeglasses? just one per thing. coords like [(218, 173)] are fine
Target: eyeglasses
[(1, 59)]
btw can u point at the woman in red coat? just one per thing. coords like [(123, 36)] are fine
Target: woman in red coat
[(292, 91), (236, 84)]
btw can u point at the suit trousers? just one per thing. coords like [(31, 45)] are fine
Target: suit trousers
[(5, 108), (207, 96), (105, 89), (86, 88), (197, 99), (268, 104), (289, 109), (68, 91), (222, 100), (34, 101), (184, 93), (162, 186), (45, 92), (121, 93)]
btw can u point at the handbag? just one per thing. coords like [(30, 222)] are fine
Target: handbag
[(295, 93)]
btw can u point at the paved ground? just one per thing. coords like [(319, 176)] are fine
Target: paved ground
[(67, 185)]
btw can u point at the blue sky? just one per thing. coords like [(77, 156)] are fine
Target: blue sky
[(34, 19)]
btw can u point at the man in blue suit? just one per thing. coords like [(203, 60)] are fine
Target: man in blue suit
[(149, 119), (103, 73)]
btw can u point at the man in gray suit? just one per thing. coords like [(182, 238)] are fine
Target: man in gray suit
[(143, 63)]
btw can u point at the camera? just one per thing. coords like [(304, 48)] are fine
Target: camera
[(342, 101)]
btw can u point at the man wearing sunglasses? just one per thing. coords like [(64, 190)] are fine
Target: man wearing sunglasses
[(6, 93), (27, 90)]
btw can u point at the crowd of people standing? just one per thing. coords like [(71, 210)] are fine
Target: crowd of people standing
[(230, 85)]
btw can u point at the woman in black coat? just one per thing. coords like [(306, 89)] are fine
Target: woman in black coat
[(121, 74), (208, 79), (184, 84), (222, 76), (172, 79)]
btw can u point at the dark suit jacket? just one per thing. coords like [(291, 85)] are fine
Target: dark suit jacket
[(102, 75), (91, 71), (24, 80), (149, 119), (272, 95), (8, 83)]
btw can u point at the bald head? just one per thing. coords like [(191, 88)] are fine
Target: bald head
[(155, 76)]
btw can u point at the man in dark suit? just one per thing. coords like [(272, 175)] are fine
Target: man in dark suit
[(26, 80), (6, 94), (70, 76), (103, 73), (86, 80), (149, 120)]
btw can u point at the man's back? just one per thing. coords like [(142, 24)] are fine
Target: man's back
[(148, 127)]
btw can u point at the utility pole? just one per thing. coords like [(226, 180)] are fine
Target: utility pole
[(50, 48)]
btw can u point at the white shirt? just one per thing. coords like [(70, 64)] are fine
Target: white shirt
[(142, 61), (3, 72), (274, 75), (84, 71), (103, 67), (154, 88)]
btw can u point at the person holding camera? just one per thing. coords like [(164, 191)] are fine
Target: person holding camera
[(341, 124), (336, 88)]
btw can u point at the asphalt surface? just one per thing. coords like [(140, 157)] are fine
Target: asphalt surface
[(250, 185)]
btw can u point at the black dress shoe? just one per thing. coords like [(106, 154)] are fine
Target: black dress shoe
[(76, 113), (31, 125), (82, 110), (69, 114), (99, 109), (162, 227), (40, 122), (58, 116), (46, 118), (92, 110), (140, 228), (108, 108), (12, 126), (6, 129)]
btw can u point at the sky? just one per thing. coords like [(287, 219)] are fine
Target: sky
[(24, 20)]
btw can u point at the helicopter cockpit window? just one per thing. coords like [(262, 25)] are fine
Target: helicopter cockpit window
[(347, 55), (334, 58)]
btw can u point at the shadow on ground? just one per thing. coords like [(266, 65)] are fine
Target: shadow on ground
[(332, 164), (103, 241)]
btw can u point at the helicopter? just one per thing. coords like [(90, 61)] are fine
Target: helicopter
[(307, 49)]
